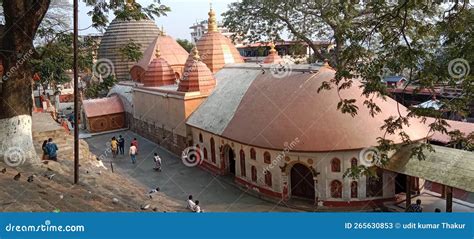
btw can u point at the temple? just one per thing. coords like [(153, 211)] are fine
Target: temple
[(265, 125)]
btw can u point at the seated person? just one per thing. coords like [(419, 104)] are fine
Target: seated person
[(190, 203)]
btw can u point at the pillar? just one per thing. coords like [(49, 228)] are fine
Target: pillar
[(408, 193), (449, 199)]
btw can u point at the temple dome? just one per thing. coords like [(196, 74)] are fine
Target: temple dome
[(215, 49), (120, 32), (158, 72), (196, 76), (170, 50), (273, 57)]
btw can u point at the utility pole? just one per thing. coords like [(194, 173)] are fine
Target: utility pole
[(76, 97)]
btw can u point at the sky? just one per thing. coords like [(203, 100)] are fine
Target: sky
[(183, 14)]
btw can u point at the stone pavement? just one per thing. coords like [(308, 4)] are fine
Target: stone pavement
[(177, 181)]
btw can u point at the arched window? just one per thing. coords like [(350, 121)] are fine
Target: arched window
[(353, 162), (335, 165), (268, 178), (267, 158), (200, 138), (254, 174), (242, 154), (213, 150), (243, 171), (253, 154), (205, 153), (354, 189), (336, 189)]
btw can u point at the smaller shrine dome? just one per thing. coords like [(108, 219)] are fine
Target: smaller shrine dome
[(196, 75), (159, 72), (273, 57)]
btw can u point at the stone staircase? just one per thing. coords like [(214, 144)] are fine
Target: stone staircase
[(45, 127)]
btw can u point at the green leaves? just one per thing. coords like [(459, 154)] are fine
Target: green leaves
[(131, 51)]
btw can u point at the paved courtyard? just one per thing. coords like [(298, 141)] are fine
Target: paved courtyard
[(177, 181)]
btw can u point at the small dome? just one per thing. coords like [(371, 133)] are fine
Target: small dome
[(196, 76), (273, 57), (159, 72), (217, 50), (171, 51)]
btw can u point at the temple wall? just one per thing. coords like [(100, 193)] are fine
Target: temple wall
[(280, 167)]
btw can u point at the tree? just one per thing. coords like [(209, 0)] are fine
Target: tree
[(131, 51), (187, 45), (412, 38), (22, 21)]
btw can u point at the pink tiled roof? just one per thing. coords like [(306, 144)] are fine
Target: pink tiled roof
[(102, 106), (463, 127)]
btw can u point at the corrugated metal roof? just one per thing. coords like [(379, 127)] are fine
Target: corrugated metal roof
[(393, 78), (447, 166)]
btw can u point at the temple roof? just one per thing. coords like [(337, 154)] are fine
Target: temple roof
[(196, 75), (120, 32), (170, 50), (215, 49), (103, 106), (159, 72), (251, 106)]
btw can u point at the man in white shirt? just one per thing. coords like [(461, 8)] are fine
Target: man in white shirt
[(157, 160), (197, 208), (133, 153), (191, 203)]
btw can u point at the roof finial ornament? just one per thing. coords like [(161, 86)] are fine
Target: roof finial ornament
[(130, 4), (163, 33), (196, 56), (212, 22), (157, 52), (272, 48), (326, 62)]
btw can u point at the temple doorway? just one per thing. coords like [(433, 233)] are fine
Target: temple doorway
[(302, 183), (229, 156)]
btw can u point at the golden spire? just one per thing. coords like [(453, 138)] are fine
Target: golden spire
[(212, 22), (272, 48), (130, 3), (196, 54), (157, 52), (163, 33)]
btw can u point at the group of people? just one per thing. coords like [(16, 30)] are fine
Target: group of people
[(50, 150), (117, 146), (193, 205)]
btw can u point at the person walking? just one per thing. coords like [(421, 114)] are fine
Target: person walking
[(121, 142), (157, 160), (133, 153), (114, 147), (52, 150), (45, 150), (135, 143), (415, 207)]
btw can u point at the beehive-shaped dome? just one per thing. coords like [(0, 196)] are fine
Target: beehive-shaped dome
[(159, 72), (215, 49), (196, 76), (119, 33), (170, 50), (273, 57)]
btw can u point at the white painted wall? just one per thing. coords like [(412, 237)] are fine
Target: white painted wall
[(16, 141)]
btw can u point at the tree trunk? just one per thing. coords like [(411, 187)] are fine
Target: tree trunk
[(22, 18)]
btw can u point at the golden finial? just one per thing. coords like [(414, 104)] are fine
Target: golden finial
[(196, 54), (163, 33), (130, 3), (212, 22), (326, 63), (157, 52), (272, 48)]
